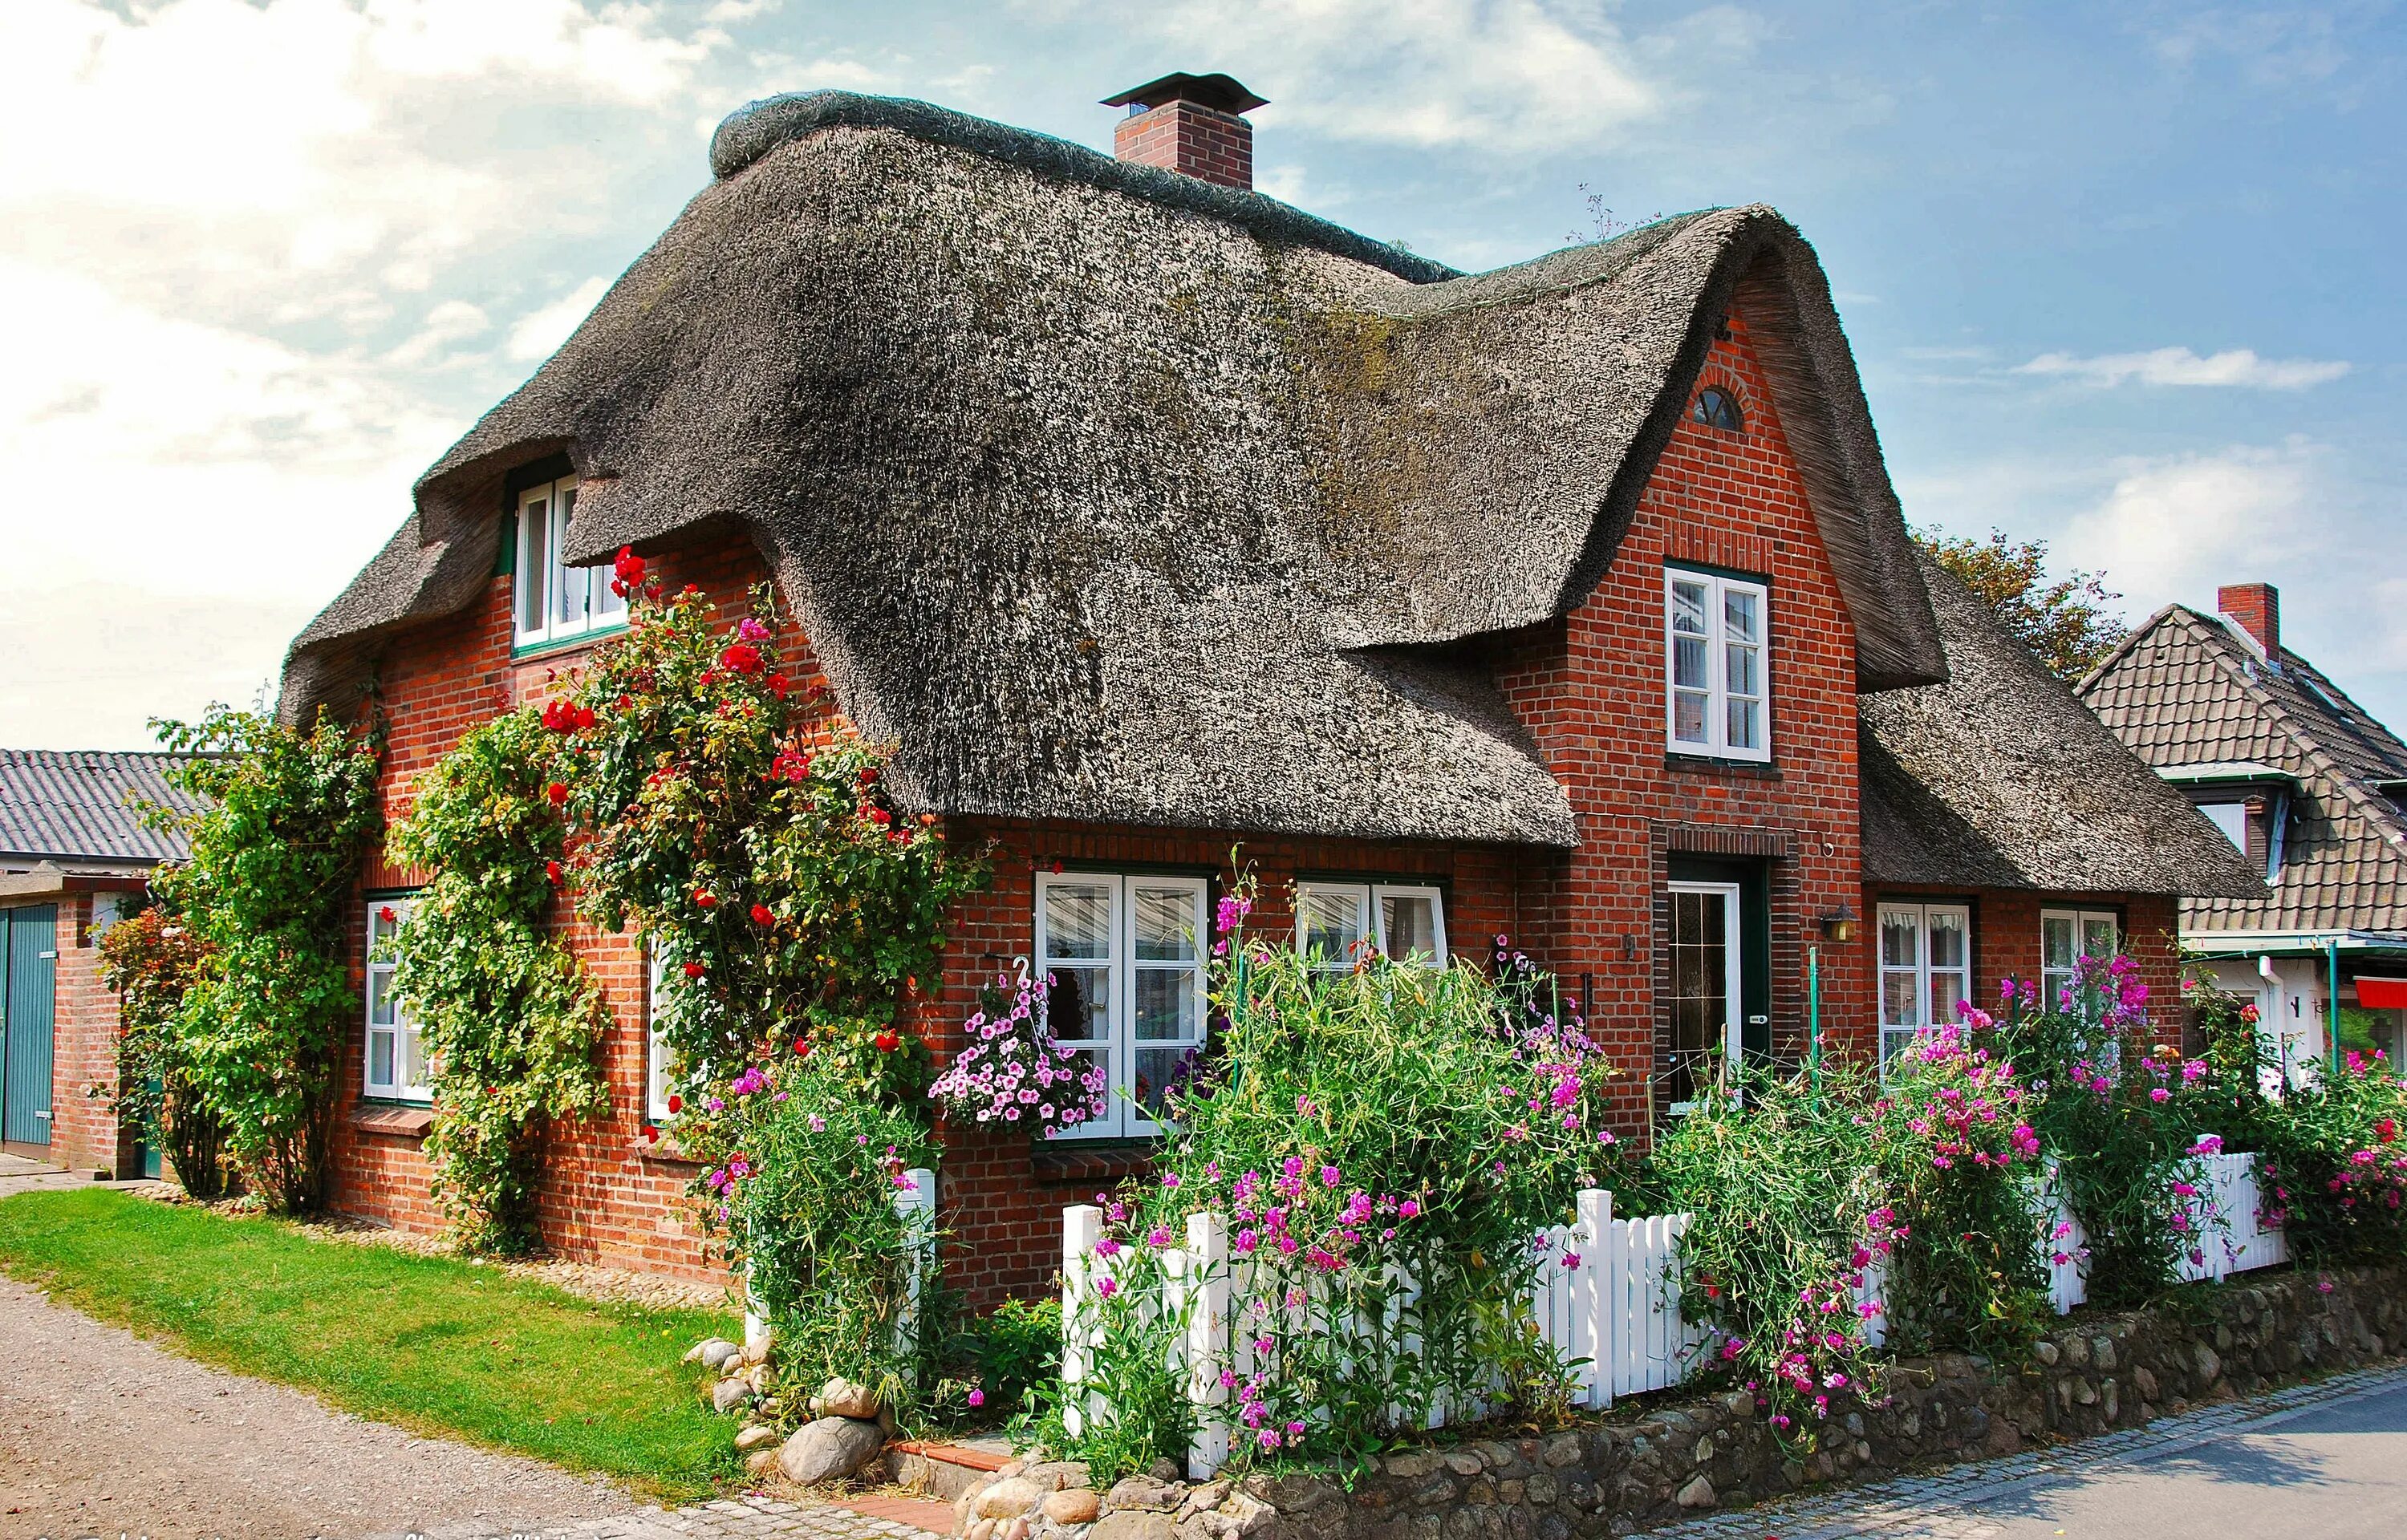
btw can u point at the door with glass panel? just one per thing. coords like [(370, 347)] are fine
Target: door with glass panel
[(1122, 957), (1704, 1031), (1925, 970)]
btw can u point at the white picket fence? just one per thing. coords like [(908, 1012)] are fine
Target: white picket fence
[(916, 1201), (1613, 1315)]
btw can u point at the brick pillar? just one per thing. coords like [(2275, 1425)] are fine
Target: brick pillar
[(1192, 139)]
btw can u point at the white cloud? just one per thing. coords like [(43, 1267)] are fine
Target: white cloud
[(2171, 529), (2237, 366), (541, 331), (449, 322), (1499, 75)]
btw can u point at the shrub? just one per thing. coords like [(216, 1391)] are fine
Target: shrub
[(286, 816), (2336, 1164), (150, 960), (996, 1365), (803, 1174), (1388, 1144), (510, 1015)]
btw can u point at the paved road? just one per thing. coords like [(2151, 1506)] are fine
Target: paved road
[(2326, 1461)]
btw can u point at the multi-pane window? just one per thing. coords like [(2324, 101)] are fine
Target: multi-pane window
[(556, 603), (2066, 935), (1925, 970), (1122, 957), (1718, 681), (1335, 923), (397, 1065)]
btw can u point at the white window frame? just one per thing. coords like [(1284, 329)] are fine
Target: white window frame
[(575, 601), (656, 1058), (1716, 745), (2053, 980), (401, 1029), (1733, 975), (1122, 1116), (1371, 916), (1895, 1035)]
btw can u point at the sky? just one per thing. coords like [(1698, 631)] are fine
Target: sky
[(2118, 278)]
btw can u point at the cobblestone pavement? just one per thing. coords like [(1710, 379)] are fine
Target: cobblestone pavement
[(2327, 1460), (749, 1518)]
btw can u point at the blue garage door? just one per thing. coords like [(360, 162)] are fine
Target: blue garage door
[(28, 987)]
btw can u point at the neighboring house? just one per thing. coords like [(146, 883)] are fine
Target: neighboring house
[(1145, 515), (75, 857), (2303, 780)]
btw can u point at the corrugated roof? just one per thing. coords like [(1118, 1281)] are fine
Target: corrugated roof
[(2185, 688), (85, 805)]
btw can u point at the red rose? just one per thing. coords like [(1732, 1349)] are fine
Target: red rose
[(584, 717), (705, 898), (780, 684), (557, 794), (888, 1042), (878, 815), (761, 915), (629, 569), (676, 1102), (551, 871), (695, 971), (802, 1048), (740, 658), (384, 913), (651, 1135), (869, 775), (2386, 1130)]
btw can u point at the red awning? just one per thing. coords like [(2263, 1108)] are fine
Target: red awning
[(2382, 994)]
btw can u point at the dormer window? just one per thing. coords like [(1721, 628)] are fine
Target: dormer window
[(1718, 408), (554, 602), (1718, 694)]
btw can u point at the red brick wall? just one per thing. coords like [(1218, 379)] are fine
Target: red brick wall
[(1592, 688), (1186, 136)]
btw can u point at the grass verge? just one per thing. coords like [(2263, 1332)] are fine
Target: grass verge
[(430, 1344)]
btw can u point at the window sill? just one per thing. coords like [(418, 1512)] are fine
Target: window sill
[(1753, 770), (665, 1150), (399, 1119), (528, 652), (1060, 1160)]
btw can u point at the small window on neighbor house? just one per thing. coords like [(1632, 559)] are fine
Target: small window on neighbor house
[(1925, 970), (1718, 408), (396, 1050), (556, 602), (1718, 679), (1335, 920)]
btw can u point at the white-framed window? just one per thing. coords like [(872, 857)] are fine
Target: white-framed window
[(1406, 921), (2233, 819), (1925, 970), (1716, 666), (396, 1050), (1122, 957), (656, 1056), (2066, 935), (555, 602)]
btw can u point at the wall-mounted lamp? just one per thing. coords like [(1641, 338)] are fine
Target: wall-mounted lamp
[(1839, 925)]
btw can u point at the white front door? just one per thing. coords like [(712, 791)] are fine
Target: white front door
[(1704, 1016)]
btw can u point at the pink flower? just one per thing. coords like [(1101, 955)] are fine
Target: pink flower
[(977, 1398)]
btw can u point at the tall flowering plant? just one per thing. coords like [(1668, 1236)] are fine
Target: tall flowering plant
[(1388, 1147), (2336, 1162), (1010, 1070)]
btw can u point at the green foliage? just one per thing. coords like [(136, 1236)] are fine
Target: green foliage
[(436, 1345), (805, 1172), (2070, 625), (286, 816), (150, 960), (1004, 1359), (749, 836), (510, 1015), (2336, 1165), (1358, 1128)]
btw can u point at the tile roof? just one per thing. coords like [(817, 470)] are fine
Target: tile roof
[(2188, 689), (84, 805)]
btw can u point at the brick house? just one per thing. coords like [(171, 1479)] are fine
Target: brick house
[(75, 857), (1145, 515), (2308, 785)]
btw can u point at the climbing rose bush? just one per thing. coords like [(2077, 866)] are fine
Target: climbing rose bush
[(1010, 1070)]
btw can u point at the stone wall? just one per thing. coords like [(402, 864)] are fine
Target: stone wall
[(1638, 1468)]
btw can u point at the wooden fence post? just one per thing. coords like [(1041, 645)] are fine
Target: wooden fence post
[(1599, 1260), (1082, 1226), (1207, 1342), (917, 1204)]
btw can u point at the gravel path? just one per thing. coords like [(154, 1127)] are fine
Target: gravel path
[(101, 1433)]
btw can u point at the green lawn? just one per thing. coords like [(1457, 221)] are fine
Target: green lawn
[(427, 1343)]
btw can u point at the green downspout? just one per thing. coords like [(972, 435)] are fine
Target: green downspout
[(2331, 1005), (1814, 1016)]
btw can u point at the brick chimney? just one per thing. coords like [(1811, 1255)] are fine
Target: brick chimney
[(2256, 609), (1191, 125)]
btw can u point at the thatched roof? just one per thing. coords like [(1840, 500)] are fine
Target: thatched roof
[(2001, 778), (1111, 494)]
